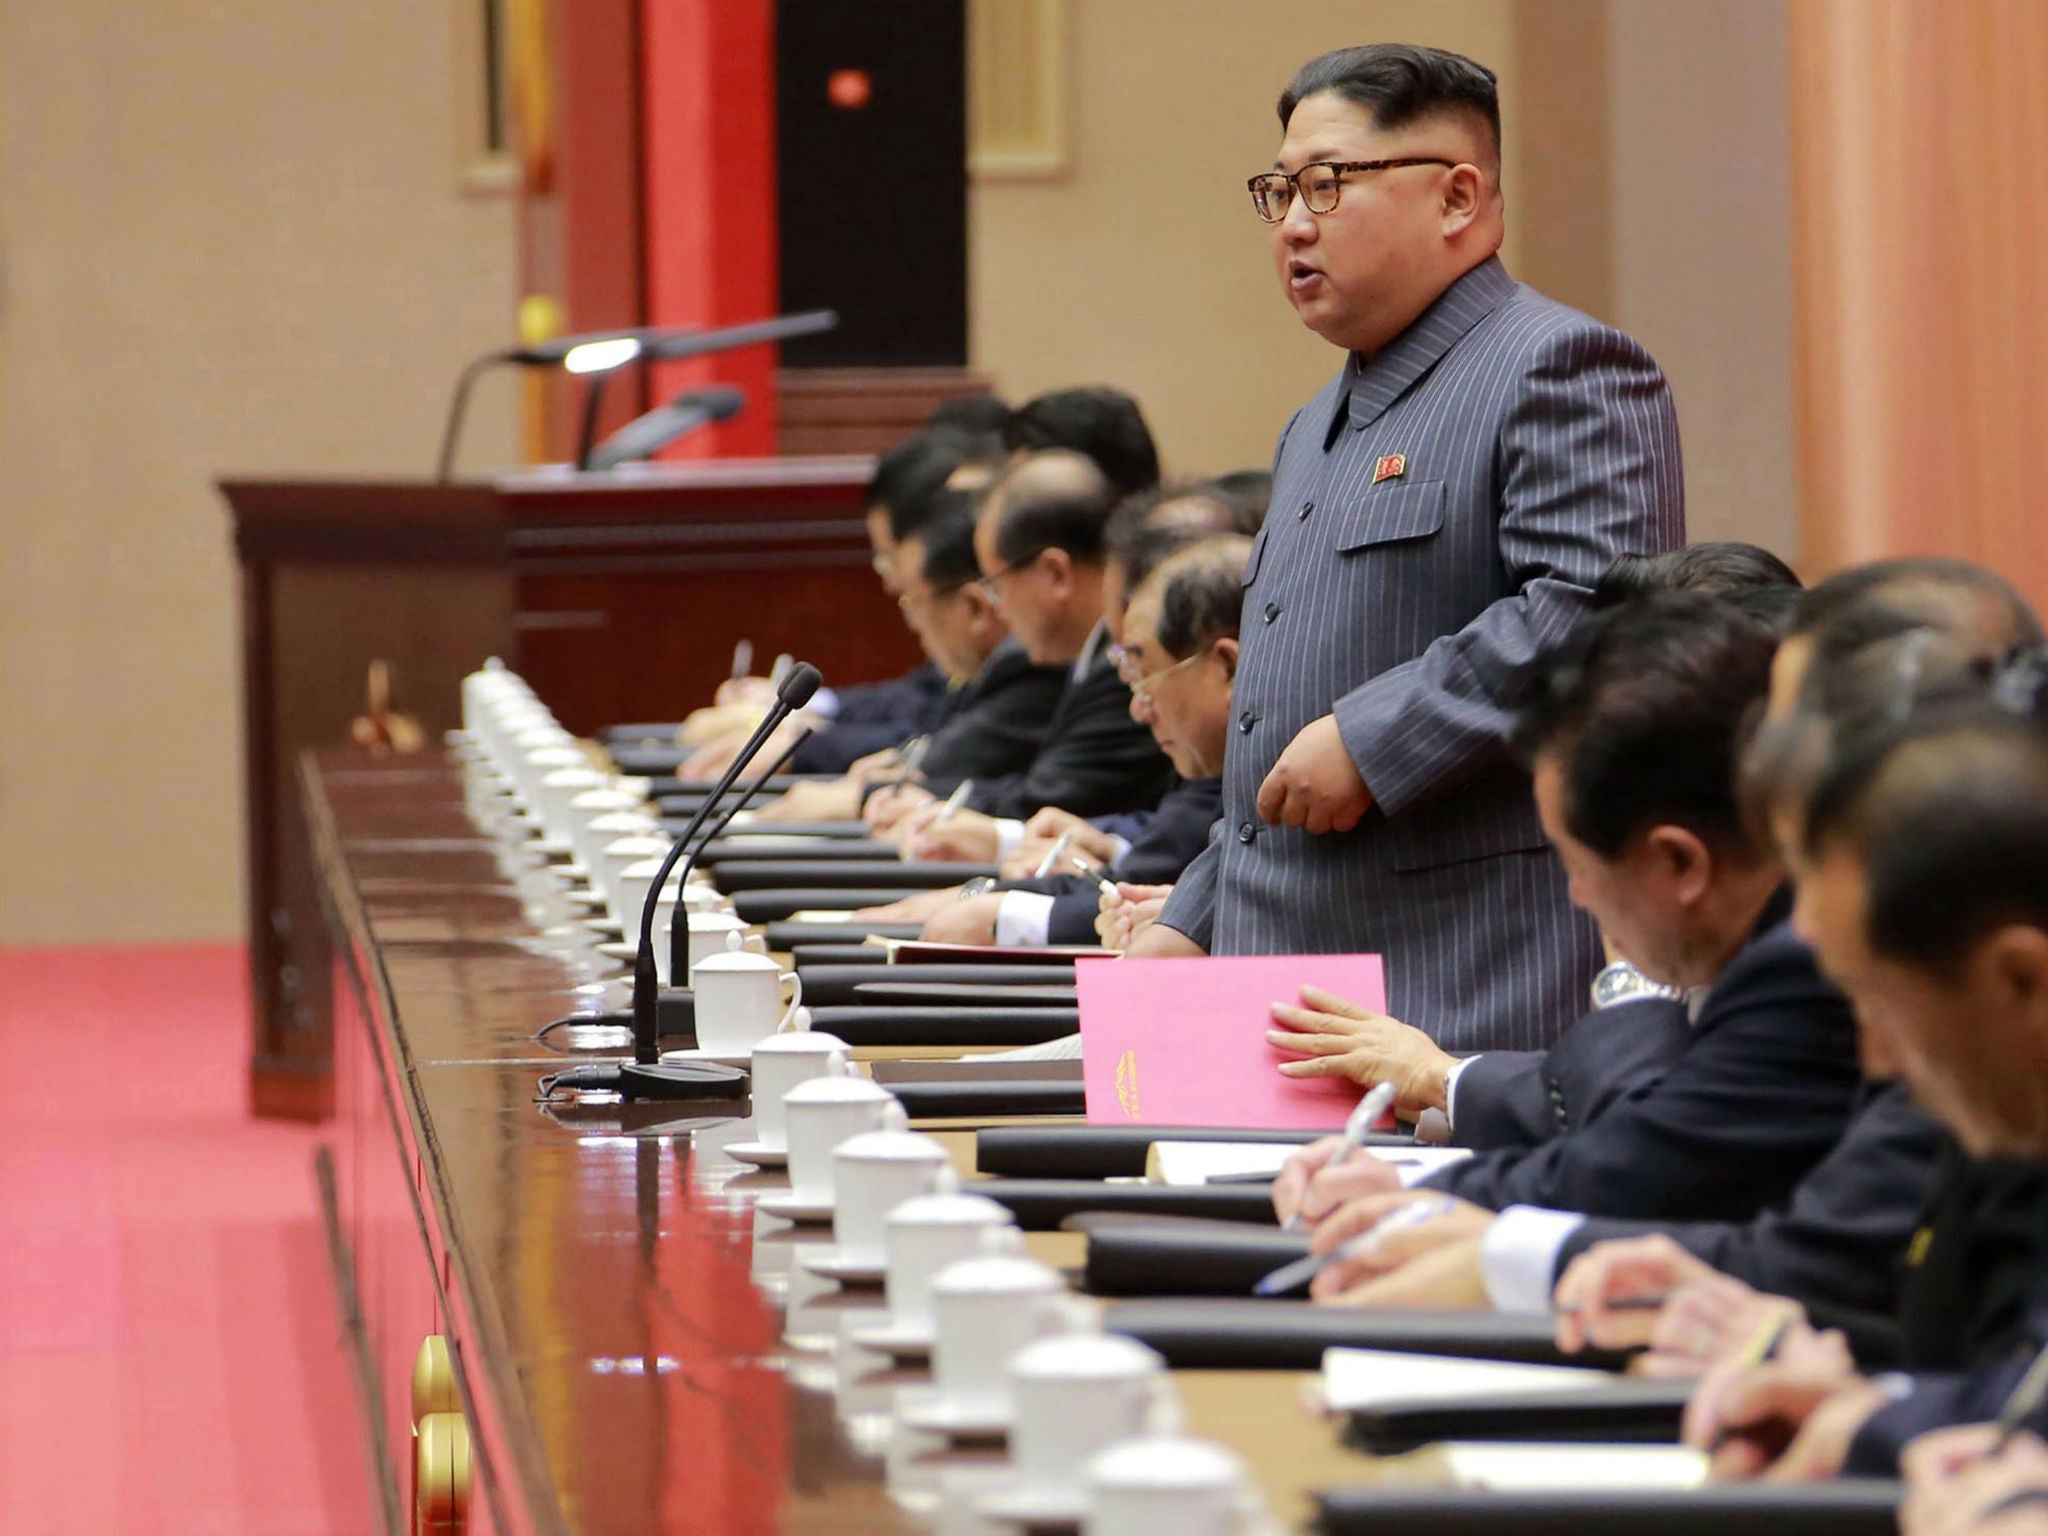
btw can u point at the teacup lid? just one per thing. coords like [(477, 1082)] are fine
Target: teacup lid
[(948, 1208), (707, 922), (637, 846), (625, 821), (647, 869), (800, 1042), (566, 778), (734, 961), (1166, 1462), (1091, 1356), (555, 757), (837, 1090), (1002, 1273), (604, 798), (891, 1146)]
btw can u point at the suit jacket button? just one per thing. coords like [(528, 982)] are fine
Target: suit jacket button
[(1272, 612), (1306, 508), (1246, 831), (1246, 721)]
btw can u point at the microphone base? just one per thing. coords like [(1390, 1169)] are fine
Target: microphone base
[(681, 1080)]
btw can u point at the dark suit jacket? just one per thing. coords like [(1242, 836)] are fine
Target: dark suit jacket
[(874, 717), (1094, 756), (1975, 1263), (1760, 1093), (1524, 1098), (1175, 833), (996, 725)]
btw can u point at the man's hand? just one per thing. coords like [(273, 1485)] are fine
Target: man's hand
[(1450, 1276), (887, 807), (757, 693), (1341, 1039), (1310, 1188), (1050, 822), (911, 909), (1159, 942), (968, 837), (1956, 1487), (1315, 784), (965, 922), (1453, 1224), (1627, 1269), (712, 758), (815, 800), (1132, 912), (1791, 1418)]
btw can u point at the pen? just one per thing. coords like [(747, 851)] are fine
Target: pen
[(742, 658), (1054, 854), (1759, 1347), (1376, 1103), (2025, 1399), (1650, 1303), (953, 802), (1102, 882), (1290, 1275)]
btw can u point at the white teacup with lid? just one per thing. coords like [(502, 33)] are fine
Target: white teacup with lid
[(984, 1309), (781, 1061), (738, 997), (923, 1236), (1169, 1483), (1076, 1394), (873, 1173), (714, 931), (558, 788), (817, 1116)]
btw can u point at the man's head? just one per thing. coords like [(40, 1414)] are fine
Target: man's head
[(1039, 542), (1750, 577), (941, 596), (1632, 735), (1148, 527), (1389, 240), (1925, 898), (1103, 423), (1180, 651), (900, 490)]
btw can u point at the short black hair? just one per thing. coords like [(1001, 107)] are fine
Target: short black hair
[(1949, 818), (1101, 422), (947, 538), (1399, 84), (978, 415), (1888, 596), (1051, 500), (907, 476), (1153, 524), (1643, 707), (1250, 491), (1201, 593), (1722, 567)]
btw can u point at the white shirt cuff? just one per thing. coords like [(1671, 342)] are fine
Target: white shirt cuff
[(1023, 918), (1118, 847), (1009, 837), (1451, 1089), (1518, 1256)]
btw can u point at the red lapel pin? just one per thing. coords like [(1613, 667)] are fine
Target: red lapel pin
[(1390, 466)]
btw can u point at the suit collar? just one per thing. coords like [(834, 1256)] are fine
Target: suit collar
[(1368, 388)]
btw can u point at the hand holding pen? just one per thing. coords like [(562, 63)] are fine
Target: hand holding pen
[(1364, 1116)]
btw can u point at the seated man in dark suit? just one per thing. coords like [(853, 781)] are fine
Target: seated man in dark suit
[(1039, 541), (1179, 653), (1633, 736)]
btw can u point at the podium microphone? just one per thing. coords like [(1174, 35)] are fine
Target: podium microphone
[(645, 436)]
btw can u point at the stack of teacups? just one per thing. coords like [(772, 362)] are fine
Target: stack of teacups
[(1073, 1395), (1166, 1483), (817, 1116)]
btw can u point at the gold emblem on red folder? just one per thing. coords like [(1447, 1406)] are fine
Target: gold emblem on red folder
[(1127, 1083), (1391, 466)]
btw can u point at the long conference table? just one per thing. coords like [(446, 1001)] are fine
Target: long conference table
[(579, 1306)]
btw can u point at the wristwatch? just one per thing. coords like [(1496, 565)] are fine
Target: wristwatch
[(1621, 982)]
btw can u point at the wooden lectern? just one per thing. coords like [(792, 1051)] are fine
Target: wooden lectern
[(617, 596)]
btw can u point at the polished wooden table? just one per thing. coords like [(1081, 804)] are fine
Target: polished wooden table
[(630, 1346)]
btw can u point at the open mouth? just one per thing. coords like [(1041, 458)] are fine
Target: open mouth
[(1301, 277)]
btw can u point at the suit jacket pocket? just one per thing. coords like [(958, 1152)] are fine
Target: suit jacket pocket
[(1387, 514)]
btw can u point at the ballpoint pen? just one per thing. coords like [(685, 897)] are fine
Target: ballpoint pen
[(2026, 1398), (1290, 1275), (1102, 882), (953, 802), (1054, 854), (1376, 1103)]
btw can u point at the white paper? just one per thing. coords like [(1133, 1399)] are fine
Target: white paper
[(1197, 1162), (1370, 1378), (1066, 1048), (823, 915), (1512, 1467)]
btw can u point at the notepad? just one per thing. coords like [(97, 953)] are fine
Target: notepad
[(1183, 1042), (1371, 1378), (1198, 1162), (1065, 1048), (1546, 1466), (825, 915)]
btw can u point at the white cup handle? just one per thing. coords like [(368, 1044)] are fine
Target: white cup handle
[(839, 1064), (796, 997), (757, 942), (1164, 1414)]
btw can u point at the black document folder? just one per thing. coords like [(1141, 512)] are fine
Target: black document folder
[(996, 983), (1851, 1507), (894, 875), (949, 1100), (1254, 1335), (1110, 1151), (1183, 1255), (858, 1025), (1624, 1411), (1042, 1205)]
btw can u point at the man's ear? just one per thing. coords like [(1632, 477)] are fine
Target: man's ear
[(1060, 566), (1465, 198), (1226, 652), (1682, 860), (2015, 961)]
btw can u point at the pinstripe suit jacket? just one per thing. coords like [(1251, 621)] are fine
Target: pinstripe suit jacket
[(1409, 600)]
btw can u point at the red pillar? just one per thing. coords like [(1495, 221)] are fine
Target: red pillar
[(708, 93)]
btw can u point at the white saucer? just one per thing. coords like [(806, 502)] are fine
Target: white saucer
[(1025, 1505), (586, 896), (924, 1409), (720, 1058), (559, 849), (760, 1154), (829, 1265), (604, 925), (790, 1207), (619, 949), (898, 1343)]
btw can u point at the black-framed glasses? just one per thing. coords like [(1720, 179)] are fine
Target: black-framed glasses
[(1320, 183)]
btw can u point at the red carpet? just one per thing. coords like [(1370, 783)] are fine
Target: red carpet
[(170, 1358)]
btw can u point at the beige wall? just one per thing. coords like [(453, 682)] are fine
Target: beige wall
[(1145, 266), (231, 243)]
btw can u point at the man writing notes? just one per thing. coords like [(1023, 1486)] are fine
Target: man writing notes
[(1441, 511)]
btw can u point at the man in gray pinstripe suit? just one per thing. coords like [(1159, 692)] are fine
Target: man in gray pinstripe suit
[(1441, 511)]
